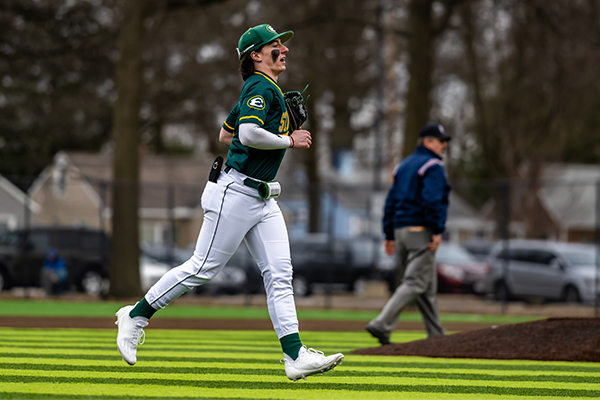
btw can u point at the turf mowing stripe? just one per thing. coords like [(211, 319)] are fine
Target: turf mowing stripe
[(316, 385), (313, 339), (277, 371), (173, 349), (347, 369), (193, 342), (199, 340), (225, 353), (256, 376), (104, 392), (218, 357), (44, 396), (350, 362), (151, 347)]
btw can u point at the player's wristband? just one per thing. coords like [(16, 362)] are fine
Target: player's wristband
[(291, 142)]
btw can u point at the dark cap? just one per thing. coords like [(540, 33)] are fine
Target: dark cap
[(434, 130)]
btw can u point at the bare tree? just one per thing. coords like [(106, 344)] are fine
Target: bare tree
[(423, 29), (124, 261)]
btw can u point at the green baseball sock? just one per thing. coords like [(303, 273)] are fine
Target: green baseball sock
[(291, 345), (142, 309)]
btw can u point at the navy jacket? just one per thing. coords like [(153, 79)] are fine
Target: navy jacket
[(419, 194)]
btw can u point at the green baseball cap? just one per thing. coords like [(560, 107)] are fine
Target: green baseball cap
[(256, 37)]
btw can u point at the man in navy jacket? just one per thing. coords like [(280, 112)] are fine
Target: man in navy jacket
[(413, 222)]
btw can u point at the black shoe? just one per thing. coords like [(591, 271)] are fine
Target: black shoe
[(376, 333)]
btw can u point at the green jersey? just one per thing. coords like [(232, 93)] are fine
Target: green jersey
[(261, 102)]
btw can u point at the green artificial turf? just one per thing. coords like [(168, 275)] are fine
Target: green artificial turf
[(57, 308), (84, 364)]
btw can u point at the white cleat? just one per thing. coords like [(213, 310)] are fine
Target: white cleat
[(129, 333), (309, 362)]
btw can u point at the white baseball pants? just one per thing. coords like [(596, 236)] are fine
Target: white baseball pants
[(234, 212)]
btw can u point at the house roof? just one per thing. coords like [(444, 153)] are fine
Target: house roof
[(569, 194), (17, 194), (186, 176)]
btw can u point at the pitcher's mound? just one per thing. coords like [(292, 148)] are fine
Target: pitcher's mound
[(554, 339)]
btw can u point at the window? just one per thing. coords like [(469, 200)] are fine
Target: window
[(454, 253), (67, 239), (542, 257), (582, 256), (10, 238), (94, 241), (40, 241)]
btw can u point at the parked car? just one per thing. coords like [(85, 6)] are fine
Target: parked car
[(457, 270), (240, 275), (151, 270), (542, 269), (319, 261), (371, 260), (479, 248), (86, 253)]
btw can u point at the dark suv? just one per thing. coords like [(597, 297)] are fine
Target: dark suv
[(318, 261), (85, 251)]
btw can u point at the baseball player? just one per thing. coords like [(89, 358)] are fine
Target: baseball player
[(239, 204)]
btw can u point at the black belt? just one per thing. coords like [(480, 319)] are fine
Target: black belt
[(254, 184)]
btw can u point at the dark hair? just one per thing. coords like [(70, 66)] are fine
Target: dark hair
[(247, 68)]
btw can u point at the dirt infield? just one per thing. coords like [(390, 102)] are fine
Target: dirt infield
[(554, 339)]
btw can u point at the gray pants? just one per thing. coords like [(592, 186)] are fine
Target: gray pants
[(418, 282)]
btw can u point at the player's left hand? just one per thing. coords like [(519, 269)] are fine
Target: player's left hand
[(302, 139)]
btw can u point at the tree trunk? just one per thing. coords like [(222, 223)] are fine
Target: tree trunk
[(420, 69), (125, 253), (311, 163)]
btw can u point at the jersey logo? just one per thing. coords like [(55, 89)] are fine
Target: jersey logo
[(257, 102)]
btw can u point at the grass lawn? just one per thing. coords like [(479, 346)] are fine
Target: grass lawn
[(84, 364), (59, 308)]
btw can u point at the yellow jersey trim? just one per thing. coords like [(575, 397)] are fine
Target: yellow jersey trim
[(270, 80), (227, 125), (252, 116)]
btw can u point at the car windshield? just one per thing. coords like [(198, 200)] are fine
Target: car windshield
[(454, 253), (10, 238), (580, 256)]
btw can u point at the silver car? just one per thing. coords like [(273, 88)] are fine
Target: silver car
[(542, 269)]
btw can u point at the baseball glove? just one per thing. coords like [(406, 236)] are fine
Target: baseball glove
[(296, 108)]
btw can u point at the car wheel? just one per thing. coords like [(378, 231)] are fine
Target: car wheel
[(501, 292), (301, 286), (571, 295), (92, 282)]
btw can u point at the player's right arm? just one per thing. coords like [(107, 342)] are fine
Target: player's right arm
[(226, 132), (225, 137)]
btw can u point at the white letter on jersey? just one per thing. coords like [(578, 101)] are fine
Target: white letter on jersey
[(257, 102)]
